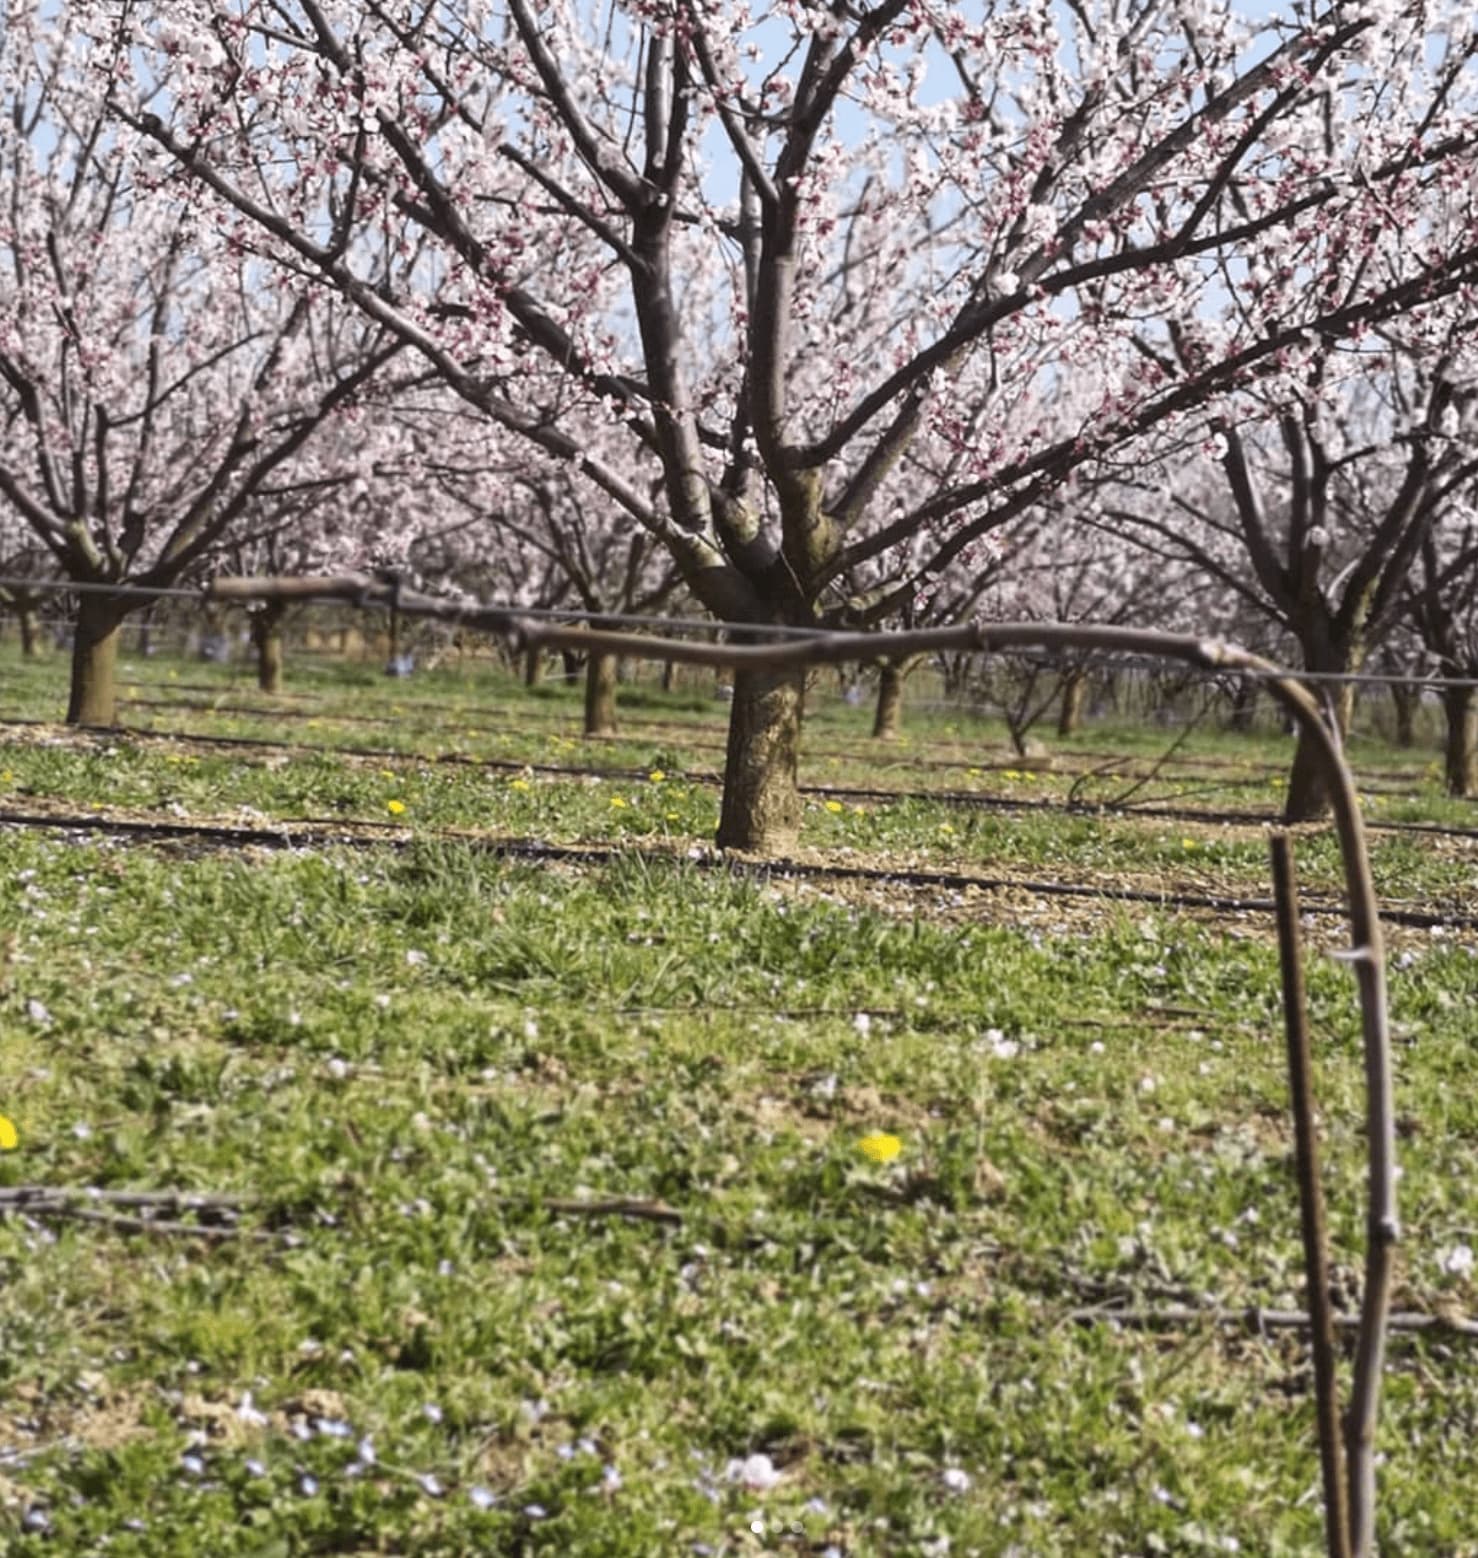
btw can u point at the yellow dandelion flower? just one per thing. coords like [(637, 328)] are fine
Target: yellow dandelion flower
[(9, 1136), (6, 777), (387, 773), (672, 816), (1188, 843), (617, 802), (835, 806), (1013, 773), (518, 784), (656, 776), (395, 808), (880, 1146)]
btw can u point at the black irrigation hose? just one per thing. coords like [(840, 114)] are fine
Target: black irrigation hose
[(1150, 810), (293, 836), (392, 754), (964, 799), (648, 727)]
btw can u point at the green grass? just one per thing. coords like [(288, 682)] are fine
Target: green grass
[(406, 1057)]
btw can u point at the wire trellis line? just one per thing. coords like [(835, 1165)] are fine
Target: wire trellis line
[(466, 613)]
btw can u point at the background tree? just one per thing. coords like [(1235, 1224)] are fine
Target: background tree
[(1070, 570), (1444, 602), (26, 569), (156, 384), (649, 230), (521, 527), (1328, 498)]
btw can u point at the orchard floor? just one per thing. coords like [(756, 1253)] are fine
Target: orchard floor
[(478, 1154)]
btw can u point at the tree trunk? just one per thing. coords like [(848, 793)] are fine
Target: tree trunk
[(1308, 794), (600, 695), (26, 616), (1461, 709), (1074, 695), (669, 674), (1406, 698), (1110, 692), (1244, 705), (266, 637), (890, 703), (533, 667), (761, 810), (94, 695), (956, 672), (571, 665)]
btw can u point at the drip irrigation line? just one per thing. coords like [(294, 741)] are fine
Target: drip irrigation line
[(635, 728), (961, 799), (391, 754), (308, 713), (635, 725), (1179, 1317), (321, 833)]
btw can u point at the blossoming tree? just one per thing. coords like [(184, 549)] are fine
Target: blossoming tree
[(731, 265), (517, 525), (1317, 508), (157, 386)]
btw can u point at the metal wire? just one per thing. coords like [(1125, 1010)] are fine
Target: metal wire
[(771, 632)]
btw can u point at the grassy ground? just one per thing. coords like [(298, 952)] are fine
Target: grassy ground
[(421, 1066)]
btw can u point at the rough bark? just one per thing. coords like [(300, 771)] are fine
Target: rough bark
[(1405, 699), (1308, 794), (94, 692), (266, 637), (1070, 710), (890, 703), (1460, 707), (26, 616), (1244, 705), (393, 651), (956, 672), (600, 696), (761, 810)]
